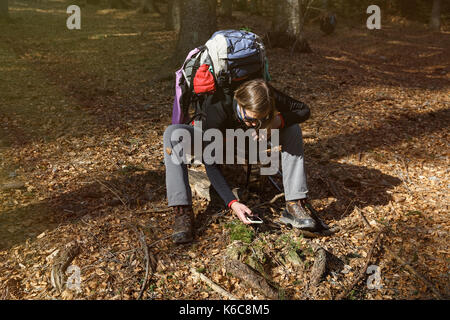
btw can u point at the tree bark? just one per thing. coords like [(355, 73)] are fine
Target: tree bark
[(241, 5), (293, 17), (255, 7), (226, 7), (119, 4), (288, 25), (198, 22), (213, 15), (435, 22), (279, 22), (173, 18), (408, 8), (4, 13), (252, 278), (149, 6)]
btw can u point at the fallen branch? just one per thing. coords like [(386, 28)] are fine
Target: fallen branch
[(157, 210), (242, 271), (112, 191), (141, 236), (212, 219), (411, 269), (268, 202), (213, 285), (317, 234), (163, 238), (414, 272), (62, 262), (364, 219), (321, 120), (319, 268), (362, 274)]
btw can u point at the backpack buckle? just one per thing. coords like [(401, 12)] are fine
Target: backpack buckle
[(224, 79)]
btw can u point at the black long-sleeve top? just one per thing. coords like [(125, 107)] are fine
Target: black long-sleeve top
[(220, 109)]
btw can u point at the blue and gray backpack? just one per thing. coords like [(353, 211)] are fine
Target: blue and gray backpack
[(228, 56)]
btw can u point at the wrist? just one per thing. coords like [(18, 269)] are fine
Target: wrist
[(230, 204), (280, 121)]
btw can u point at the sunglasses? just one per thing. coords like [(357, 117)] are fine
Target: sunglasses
[(257, 123)]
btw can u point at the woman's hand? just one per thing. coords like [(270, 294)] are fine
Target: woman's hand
[(274, 124), (241, 210)]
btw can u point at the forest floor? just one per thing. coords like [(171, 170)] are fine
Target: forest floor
[(81, 160)]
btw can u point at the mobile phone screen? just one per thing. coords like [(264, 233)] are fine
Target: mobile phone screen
[(254, 219)]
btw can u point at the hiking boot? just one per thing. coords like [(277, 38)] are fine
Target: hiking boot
[(299, 216), (183, 228)]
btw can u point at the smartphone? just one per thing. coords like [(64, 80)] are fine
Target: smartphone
[(254, 219)]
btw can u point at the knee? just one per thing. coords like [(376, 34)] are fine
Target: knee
[(291, 134), (169, 132)]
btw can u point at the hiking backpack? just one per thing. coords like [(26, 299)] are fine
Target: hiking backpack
[(228, 56)]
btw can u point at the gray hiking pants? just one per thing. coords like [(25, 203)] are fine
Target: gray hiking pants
[(292, 163)]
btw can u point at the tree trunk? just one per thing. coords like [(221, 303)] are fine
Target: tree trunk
[(149, 6), (213, 16), (4, 9), (408, 8), (293, 17), (267, 7), (119, 4), (198, 22), (288, 25), (173, 18), (226, 9), (279, 22), (288, 17), (255, 7), (241, 5), (435, 22)]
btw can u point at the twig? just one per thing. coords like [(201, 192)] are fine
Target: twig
[(346, 209), (212, 219), (268, 202), (113, 192), (414, 272), (273, 149), (331, 187), (213, 285), (407, 176), (409, 267), (334, 111), (157, 210), (363, 271), (363, 217), (163, 238), (147, 261)]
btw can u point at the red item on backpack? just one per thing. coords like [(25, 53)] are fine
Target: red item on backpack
[(204, 80)]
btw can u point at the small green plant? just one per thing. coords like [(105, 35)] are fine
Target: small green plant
[(201, 270), (130, 168), (282, 294), (239, 231), (352, 295), (414, 212)]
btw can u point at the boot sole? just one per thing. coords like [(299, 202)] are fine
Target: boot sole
[(181, 238), (303, 224)]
